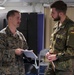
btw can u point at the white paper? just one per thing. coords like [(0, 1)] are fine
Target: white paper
[(30, 54)]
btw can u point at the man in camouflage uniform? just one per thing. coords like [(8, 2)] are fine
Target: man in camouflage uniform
[(61, 54), (12, 44)]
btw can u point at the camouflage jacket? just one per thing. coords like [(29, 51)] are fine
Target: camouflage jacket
[(10, 63), (63, 44)]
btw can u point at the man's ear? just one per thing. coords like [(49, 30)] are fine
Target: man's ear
[(60, 14), (10, 18)]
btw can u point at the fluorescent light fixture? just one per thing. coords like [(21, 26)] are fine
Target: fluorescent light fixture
[(25, 4), (46, 5), (1, 7)]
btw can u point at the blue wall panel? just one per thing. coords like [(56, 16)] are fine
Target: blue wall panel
[(40, 32)]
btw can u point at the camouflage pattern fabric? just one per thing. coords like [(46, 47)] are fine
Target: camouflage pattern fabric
[(63, 45), (10, 63)]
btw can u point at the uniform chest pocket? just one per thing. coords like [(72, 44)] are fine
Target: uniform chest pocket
[(12, 43), (60, 42)]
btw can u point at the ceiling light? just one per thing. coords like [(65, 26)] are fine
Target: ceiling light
[(46, 5), (1, 7)]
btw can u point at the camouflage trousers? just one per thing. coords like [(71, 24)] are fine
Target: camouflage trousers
[(49, 71)]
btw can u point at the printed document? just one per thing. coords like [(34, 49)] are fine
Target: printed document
[(30, 54)]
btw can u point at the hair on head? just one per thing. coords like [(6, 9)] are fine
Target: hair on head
[(59, 5), (11, 13)]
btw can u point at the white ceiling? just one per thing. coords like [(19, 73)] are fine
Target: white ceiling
[(13, 3), (26, 4)]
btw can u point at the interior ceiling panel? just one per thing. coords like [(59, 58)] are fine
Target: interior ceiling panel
[(14, 0), (21, 2), (38, 1), (42, 1), (48, 1), (2, 1)]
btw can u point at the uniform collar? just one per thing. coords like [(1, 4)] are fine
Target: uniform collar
[(8, 31), (64, 22)]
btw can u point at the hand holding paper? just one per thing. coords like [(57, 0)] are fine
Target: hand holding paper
[(30, 54)]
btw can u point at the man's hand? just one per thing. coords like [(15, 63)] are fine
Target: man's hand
[(18, 51), (51, 57), (47, 54)]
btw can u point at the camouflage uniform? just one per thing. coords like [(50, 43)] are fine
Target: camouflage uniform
[(10, 63), (63, 46)]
